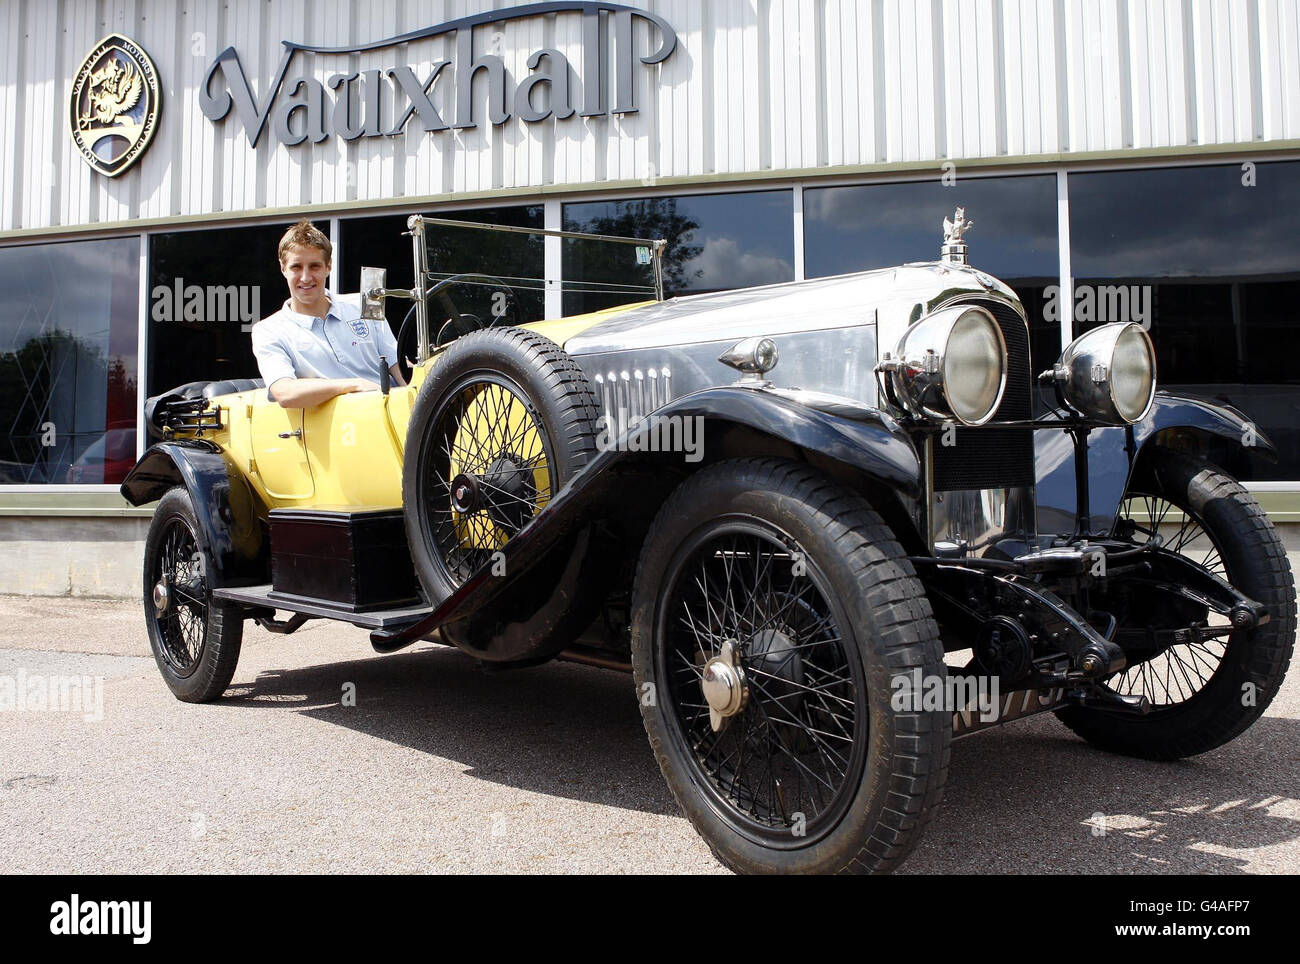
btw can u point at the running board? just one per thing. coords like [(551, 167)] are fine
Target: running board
[(266, 597)]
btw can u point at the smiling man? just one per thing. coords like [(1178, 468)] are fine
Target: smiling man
[(317, 346)]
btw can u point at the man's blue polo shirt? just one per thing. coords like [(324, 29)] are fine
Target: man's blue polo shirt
[(340, 345)]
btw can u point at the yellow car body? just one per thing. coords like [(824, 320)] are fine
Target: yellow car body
[(347, 451)]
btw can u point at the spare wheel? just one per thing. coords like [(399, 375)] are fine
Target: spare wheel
[(505, 419)]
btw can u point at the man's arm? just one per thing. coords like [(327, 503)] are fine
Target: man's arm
[(310, 392)]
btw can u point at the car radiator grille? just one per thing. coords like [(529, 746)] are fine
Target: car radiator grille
[(984, 458)]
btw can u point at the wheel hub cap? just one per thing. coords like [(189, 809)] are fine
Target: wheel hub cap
[(510, 494), (464, 493), (161, 597), (724, 686), (775, 654)]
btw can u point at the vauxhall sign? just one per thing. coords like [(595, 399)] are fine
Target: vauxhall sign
[(383, 102)]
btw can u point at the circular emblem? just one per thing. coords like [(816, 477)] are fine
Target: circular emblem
[(113, 111)]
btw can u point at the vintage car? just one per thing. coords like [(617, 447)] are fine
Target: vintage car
[(779, 508)]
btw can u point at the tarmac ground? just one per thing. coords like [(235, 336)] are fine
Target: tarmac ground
[(443, 767)]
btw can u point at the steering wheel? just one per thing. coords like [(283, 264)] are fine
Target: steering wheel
[(457, 322), (450, 321)]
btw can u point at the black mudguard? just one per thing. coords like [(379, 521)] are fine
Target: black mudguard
[(1207, 420), (230, 530), (1218, 432), (503, 613)]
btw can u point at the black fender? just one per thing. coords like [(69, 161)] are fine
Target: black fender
[(569, 547), (227, 510), (1220, 429), (862, 438), (1216, 432)]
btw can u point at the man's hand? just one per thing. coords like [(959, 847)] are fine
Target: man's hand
[(310, 392)]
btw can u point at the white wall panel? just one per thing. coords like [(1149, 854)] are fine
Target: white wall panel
[(1019, 25), (11, 161), (155, 187), (754, 85), (75, 177), (38, 173), (1282, 80), (122, 194), (969, 81), (1147, 54), (1273, 30), (726, 24)]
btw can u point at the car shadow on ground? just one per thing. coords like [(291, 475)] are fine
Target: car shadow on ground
[(1037, 798), (1029, 797), (561, 729)]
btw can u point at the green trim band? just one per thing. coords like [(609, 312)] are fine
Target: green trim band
[(70, 504), (68, 513)]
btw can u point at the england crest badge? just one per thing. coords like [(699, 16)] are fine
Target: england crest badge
[(359, 326)]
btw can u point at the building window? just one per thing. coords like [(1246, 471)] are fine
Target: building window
[(206, 291), (513, 263), (1014, 237), (1205, 258), (68, 336), (715, 241)]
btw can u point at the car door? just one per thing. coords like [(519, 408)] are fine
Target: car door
[(280, 451)]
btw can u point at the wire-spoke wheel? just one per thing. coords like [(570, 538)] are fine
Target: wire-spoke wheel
[(741, 605), (503, 421), (1178, 672), (771, 610), (492, 471), (1203, 693), (195, 640), (179, 574)]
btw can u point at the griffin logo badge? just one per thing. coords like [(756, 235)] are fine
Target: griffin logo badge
[(114, 107)]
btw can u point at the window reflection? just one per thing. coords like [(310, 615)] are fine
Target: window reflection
[(1014, 238), (1211, 250), (68, 325), (715, 241), (515, 261), (206, 290)]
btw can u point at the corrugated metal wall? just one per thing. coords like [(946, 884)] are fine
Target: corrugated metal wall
[(754, 85)]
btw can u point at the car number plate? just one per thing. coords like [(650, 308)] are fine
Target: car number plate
[(1010, 706)]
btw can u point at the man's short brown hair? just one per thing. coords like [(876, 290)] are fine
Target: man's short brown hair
[(304, 234)]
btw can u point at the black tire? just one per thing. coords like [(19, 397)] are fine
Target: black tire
[(477, 385), (820, 648), (195, 640), (1226, 531)]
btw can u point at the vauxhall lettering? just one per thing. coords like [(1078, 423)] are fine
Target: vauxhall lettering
[(383, 102), (418, 95)]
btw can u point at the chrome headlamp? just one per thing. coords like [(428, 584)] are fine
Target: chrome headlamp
[(1108, 374), (950, 364)]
